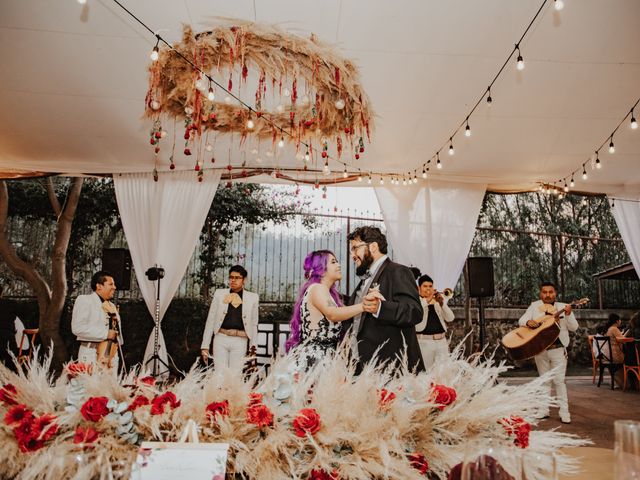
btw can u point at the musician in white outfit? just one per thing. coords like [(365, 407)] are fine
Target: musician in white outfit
[(431, 331), (233, 319), (555, 355), (90, 320)]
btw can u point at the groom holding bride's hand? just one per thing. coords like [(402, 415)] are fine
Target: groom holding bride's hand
[(390, 301)]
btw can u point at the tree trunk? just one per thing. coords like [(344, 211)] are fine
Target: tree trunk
[(50, 324)]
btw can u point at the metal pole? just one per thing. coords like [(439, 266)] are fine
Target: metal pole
[(481, 321), (348, 292)]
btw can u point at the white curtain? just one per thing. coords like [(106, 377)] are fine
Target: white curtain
[(627, 215), (162, 221), (432, 227)]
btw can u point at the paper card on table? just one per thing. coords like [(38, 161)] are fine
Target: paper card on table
[(169, 460)]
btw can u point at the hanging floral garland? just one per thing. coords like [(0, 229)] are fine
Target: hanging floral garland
[(316, 93)]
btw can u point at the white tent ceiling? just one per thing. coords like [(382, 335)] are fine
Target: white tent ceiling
[(73, 81)]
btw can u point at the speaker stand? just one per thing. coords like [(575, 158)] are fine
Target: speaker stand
[(155, 359), (481, 322)]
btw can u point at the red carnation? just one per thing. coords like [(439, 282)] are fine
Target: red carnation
[(419, 462), (148, 380), (255, 399), (518, 427), (139, 401), (217, 408), (386, 398), (306, 422), (76, 368), (260, 415), (323, 475), (27, 441), (85, 435), (17, 414), (442, 395), (167, 398), (95, 409), (8, 394), (44, 427)]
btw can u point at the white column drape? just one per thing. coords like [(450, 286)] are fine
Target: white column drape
[(432, 226), (627, 216), (162, 221)]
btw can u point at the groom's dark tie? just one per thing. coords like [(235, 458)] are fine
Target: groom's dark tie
[(356, 320)]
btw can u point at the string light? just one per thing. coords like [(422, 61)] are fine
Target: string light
[(467, 129), (381, 180), (369, 179), (155, 54), (612, 147), (438, 163), (82, 2), (558, 4), (634, 123), (359, 177), (404, 182), (326, 170), (307, 157), (598, 163), (489, 99), (281, 142), (415, 178), (584, 172), (345, 174), (424, 173), (211, 96), (451, 151), (520, 60), (572, 183), (566, 187), (250, 124)]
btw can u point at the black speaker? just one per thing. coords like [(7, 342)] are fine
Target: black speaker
[(480, 270), (117, 261)]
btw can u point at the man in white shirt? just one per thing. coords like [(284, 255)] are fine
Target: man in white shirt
[(233, 318), (431, 331), (92, 317), (556, 354)]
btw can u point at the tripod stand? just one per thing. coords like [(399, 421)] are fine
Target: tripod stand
[(156, 274)]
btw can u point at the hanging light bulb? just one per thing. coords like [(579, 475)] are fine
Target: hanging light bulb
[(210, 95), (199, 84), (326, 170), (572, 183), (566, 187), (404, 182), (281, 142), (345, 174), (584, 173), (584, 201), (634, 123), (598, 163), (612, 147), (250, 124), (359, 177), (415, 178), (438, 163), (82, 2), (424, 173), (286, 92), (369, 179), (307, 157), (467, 129), (558, 4), (451, 150), (489, 99), (339, 104), (209, 147), (155, 53), (520, 60), (381, 180)]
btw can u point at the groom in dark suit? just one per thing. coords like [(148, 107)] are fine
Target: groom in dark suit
[(392, 328)]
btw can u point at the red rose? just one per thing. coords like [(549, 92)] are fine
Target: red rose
[(259, 415), (95, 409), (17, 414), (386, 398), (323, 475), (255, 399), (8, 394), (217, 408), (158, 403), (44, 427), (306, 422), (149, 380), (518, 427), (76, 368), (27, 442), (85, 435), (419, 462), (442, 395), (139, 401)]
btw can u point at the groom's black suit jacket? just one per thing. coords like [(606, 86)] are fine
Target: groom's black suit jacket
[(395, 326)]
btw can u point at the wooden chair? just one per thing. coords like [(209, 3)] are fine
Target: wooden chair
[(603, 347), (594, 359), (27, 344), (631, 361)]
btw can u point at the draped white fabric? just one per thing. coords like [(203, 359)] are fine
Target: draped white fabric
[(627, 215), (162, 221), (432, 227)]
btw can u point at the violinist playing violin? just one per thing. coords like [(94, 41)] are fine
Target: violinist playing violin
[(96, 322)]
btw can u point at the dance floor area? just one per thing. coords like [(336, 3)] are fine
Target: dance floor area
[(593, 410)]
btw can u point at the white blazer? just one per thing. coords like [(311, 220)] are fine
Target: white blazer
[(445, 315), (218, 310), (567, 323), (89, 322)]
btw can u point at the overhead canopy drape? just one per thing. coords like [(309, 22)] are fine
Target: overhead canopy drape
[(162, 221), (627, 216), (432, 227)]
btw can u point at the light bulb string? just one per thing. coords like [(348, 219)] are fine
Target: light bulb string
[(213, 80)]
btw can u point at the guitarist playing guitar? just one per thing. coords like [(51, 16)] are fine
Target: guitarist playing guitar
[(556, 354)]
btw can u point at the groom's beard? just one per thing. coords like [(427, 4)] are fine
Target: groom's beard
[(366, 262)]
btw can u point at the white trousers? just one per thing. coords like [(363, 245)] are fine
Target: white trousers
[(548, 360), (433, 350), (229, 351), (88, 355)]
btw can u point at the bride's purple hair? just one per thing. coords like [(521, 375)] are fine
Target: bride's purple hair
[(315, 265)]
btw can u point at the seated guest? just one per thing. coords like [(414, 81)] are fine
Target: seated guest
[(431, 330), (634, 326), (614, 333)]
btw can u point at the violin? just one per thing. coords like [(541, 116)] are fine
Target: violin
[(108, 349)]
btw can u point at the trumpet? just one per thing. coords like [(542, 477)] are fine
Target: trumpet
[(447, 293)]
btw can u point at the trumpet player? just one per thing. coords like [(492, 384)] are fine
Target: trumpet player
[(431, 331)]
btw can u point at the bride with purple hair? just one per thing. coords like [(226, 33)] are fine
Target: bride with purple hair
[(315, 323)]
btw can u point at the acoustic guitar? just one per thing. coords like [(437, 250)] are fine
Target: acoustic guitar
[(526, 342), (108, 349)]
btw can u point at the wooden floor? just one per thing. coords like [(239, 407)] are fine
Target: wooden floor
[(593, 410)]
